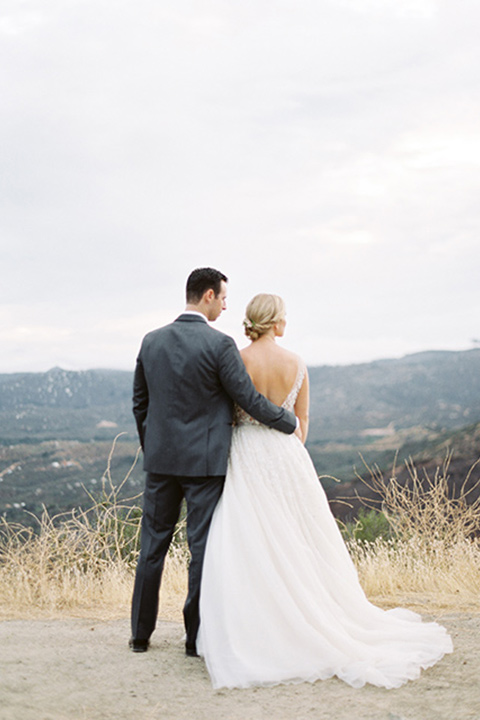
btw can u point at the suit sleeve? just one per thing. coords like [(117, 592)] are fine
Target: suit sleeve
[(140, 399), (238, 384)]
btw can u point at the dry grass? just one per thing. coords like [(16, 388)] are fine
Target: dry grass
[(435, 549), (83, 563)]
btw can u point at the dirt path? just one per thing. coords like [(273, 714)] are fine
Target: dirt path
[(82, 670)]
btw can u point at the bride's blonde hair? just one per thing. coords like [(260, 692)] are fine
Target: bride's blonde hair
[(262, 313)]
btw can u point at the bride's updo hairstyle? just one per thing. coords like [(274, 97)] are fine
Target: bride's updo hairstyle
[(262, 313)]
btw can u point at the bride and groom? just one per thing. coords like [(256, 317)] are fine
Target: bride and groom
[(273, 596)]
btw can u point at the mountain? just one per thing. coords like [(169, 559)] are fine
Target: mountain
[(434, 390), (56, 428), (437, 390), (62, 404)]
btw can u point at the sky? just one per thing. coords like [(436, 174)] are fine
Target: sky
[(324, 150)]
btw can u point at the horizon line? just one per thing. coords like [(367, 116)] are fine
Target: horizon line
[(309, 365)]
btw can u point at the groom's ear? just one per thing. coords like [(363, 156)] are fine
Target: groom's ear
[(209, 295)]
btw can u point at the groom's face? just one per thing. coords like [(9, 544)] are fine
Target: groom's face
[(218, 303)]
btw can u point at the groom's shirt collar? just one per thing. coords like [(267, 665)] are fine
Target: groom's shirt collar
[(195, 312)]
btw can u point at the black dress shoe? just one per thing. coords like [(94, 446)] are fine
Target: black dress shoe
[(138, 645), (191, 652)]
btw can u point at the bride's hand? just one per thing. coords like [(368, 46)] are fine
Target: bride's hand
[(298, 432)]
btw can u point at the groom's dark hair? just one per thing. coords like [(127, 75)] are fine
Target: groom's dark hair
[(201, 280)]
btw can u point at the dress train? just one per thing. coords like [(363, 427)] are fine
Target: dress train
[(280, 598)]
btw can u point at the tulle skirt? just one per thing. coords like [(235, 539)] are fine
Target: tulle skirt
[(280, 597)]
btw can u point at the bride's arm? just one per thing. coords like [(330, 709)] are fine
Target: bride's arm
[(301, 408)]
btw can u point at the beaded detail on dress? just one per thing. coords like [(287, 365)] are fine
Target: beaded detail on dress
[(240, 417)]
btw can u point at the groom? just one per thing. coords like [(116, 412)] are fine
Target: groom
[(187, 378)]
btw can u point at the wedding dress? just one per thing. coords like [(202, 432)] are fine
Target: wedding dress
[(280, 598)]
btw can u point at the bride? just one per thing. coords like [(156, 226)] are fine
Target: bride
[(280, 598)]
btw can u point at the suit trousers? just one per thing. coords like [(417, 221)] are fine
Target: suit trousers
[(161, 509)]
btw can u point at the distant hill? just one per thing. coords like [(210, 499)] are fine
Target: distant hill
[(60, 475), (65, 405), (434, 390), (56, 427), (455, 454)]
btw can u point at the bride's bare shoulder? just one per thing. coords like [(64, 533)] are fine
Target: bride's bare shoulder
[(289, 358), (255, 352), (293, 357)]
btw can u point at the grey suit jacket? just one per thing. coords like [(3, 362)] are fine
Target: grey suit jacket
[(187, 377)]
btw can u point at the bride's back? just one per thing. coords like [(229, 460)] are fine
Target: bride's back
[(273, 369)]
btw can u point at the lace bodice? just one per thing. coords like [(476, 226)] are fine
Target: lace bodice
[(240, 417)]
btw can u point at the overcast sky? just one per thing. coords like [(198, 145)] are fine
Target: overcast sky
[(324, 150)]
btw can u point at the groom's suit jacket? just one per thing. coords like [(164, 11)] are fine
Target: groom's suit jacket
[(187, 378)]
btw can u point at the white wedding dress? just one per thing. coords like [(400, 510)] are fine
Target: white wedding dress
[(280, 598)]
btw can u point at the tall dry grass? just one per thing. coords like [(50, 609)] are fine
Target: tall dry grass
[(83, 562), (432, 553)]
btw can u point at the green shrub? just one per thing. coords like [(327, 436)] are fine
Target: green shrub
[(367, 527)]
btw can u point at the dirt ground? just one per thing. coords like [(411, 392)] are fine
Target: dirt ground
[(80, 669)]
